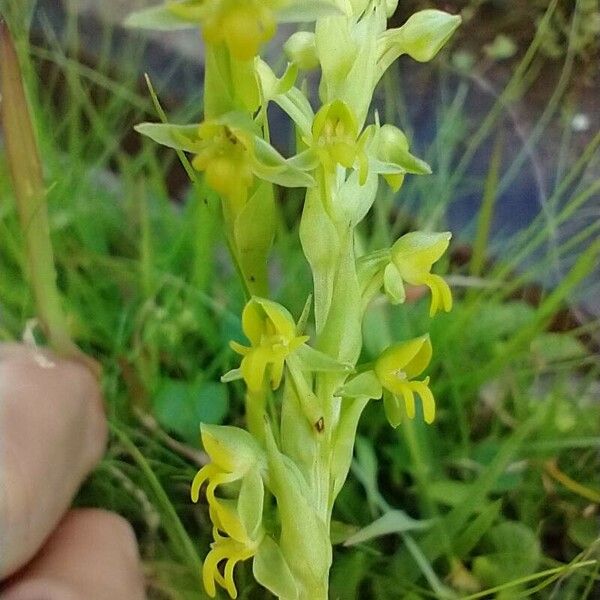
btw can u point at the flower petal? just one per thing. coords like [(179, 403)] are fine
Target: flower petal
[(254, 366), (409, 400), (427, 400), (205, 473)]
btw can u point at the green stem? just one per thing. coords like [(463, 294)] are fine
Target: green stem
[(26, 174)]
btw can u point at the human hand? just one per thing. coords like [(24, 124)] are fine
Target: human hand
[(52, 433)]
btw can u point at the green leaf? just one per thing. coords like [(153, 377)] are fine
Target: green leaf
[(584, 532), (180, 406), (179, 137), (365, 468), (340, 531), (467, 539), (272, 571), (448, 492), (394, 521), (458, 518), (159, 17), (514, 553)]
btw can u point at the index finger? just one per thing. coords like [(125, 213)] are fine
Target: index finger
[(52, 433)]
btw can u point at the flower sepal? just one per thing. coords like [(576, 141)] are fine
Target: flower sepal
[(231, 449)]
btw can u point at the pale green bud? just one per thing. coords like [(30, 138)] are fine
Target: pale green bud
[(421, 37), (302, 50), (426, 32)]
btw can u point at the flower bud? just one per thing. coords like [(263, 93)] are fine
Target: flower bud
[(426, 32), (302, 51)]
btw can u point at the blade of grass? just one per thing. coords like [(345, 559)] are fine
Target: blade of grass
[(552, 574), (182, 544), (456, 520), (26, 173), (486, 212)]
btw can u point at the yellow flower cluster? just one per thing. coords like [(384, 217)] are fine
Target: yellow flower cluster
[(237, 522)]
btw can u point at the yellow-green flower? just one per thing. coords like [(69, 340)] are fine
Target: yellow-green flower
[(412, 258), (273, 337), (237, 523), (396, 370), (242, 25), (335, 137), (224, 156)]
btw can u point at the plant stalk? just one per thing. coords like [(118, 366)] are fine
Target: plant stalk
[(27, 179)]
